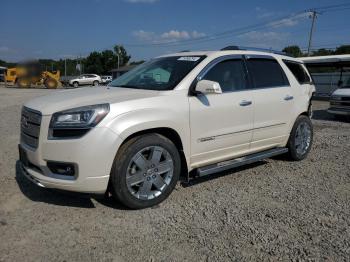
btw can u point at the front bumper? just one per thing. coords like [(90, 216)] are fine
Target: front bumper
[(93, 155), (339, 111)]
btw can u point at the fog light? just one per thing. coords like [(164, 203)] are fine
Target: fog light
[(59, 168)]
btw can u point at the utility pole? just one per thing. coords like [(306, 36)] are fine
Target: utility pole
[(65, 68), (313, 15)]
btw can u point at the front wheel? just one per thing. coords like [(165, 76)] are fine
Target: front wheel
[(300, 139), (145, 171), (76, 84), (51, 83), (95, 83)]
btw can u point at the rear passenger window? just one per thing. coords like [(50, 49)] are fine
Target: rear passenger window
[(266, 73), (229, 74), (298, 71)]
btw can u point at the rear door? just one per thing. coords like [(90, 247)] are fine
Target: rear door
[(221, 124), (83, 79), (273, 99), (90, 79)]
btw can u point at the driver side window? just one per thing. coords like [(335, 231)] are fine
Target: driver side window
[(230, 74)]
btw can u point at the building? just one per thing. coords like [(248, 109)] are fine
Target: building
[(329, 72)]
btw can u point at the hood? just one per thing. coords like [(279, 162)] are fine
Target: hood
[(67, 99), (342, 92)]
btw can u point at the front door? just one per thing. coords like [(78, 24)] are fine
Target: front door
[(221, 124)]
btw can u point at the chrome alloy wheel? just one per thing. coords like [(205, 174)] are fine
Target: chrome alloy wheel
[(302, 138), (149, 172)]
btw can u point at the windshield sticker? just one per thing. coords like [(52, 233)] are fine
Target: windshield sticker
[(189, 58)]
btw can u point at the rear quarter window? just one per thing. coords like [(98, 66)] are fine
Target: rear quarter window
[(298, 71)]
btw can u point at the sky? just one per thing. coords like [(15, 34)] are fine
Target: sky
[(148, 28)]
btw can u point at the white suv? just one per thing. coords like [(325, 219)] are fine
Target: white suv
[(194, 111), (88, 79)]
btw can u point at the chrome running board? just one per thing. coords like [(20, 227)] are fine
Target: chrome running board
[(245, 160)]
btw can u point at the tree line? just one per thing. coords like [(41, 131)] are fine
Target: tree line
[(296, 51), (102, 62)]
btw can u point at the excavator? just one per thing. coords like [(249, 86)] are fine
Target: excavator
[(27, 74)]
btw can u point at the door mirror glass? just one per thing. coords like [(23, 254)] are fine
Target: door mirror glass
[(208, 87)]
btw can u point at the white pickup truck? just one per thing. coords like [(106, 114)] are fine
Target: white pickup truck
[(340, 102), (192, 111)]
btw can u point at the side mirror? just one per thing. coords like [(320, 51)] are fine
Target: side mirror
[(208, 87)]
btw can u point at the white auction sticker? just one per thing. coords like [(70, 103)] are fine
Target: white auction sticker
[(189, 58)]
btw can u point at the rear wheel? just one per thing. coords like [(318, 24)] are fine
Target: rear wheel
[(23, 82), (300, 140), (51, 83), (145, 171)]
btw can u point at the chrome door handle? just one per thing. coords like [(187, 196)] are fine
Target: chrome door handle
[(288, 97), (245, 103)]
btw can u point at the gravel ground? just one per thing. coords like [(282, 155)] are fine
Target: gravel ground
[(272, 210)]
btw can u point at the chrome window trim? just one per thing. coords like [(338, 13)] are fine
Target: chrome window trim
[(216, 61), (213, 63)]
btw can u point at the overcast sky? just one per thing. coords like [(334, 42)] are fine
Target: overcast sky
[(147, 28)]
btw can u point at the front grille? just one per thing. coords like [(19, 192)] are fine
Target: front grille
[(340, 102), (345, 98), (30, 127)]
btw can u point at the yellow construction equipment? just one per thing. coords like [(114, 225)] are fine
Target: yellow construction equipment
[(31, 74)]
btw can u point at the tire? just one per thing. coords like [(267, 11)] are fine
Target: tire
[(95, 83), (76, 84), (132, 192), (51, 83), (23, 83), (300, 139)]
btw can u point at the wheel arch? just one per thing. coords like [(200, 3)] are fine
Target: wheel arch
[(173, 136)]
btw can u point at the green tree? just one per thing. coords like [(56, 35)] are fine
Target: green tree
[(93, 63), (103, 62), (2, 63), (341, 50), (293, 50), (123, 55), (322, 52)]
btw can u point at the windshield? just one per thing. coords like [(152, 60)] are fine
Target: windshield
[(346, 83), (158, 74)]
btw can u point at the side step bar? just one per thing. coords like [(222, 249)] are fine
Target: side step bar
[(245, 160)]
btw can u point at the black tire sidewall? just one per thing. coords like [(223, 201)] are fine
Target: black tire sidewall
[(122, 160), (94, 83), (47, 84), (291, 143)]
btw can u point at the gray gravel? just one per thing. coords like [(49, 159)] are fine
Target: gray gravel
[(272, 210)]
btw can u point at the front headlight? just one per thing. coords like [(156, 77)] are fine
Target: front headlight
[(77, 121)]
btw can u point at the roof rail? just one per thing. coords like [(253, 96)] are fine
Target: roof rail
[(254, 49), (231, 47)]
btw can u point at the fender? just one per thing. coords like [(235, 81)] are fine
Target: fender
[(139, 120)]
